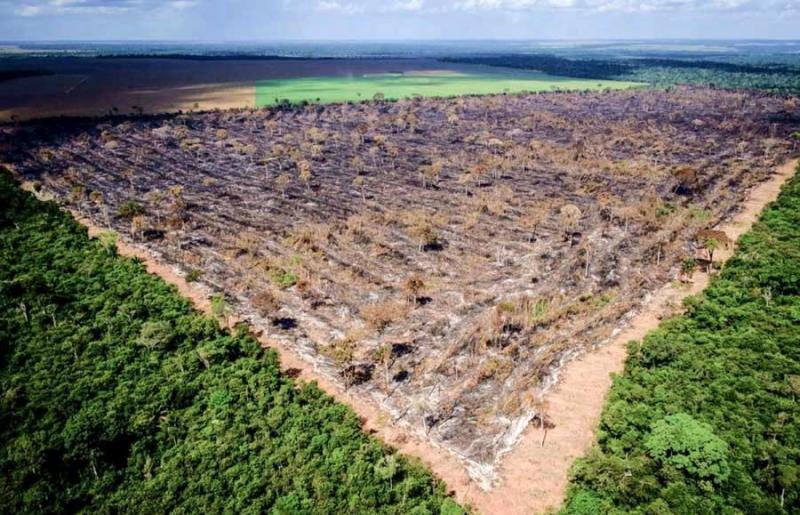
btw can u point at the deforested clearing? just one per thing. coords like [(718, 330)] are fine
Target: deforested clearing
[(445, 257)]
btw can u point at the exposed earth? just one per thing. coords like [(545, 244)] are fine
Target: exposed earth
[(444, 257)]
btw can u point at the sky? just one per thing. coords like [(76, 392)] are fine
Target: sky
[(265, 20)]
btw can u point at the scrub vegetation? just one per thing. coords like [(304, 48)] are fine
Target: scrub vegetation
[(116, 397)]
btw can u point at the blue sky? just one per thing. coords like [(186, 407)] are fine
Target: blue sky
[(396, 19)]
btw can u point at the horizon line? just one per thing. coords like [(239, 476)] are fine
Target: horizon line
[(392, 40)]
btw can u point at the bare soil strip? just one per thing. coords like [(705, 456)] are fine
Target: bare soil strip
[(203, 97), (534, 476)]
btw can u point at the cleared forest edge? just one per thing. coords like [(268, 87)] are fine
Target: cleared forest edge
[(443, 464), (444, 258), (89, 334), (533, 477)]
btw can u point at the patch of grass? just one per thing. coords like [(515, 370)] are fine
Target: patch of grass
[(699, 214), (283, 278), (130, 209), (538, 310), (392, 86), (194, 275)]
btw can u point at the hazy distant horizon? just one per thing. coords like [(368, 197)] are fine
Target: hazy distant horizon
[(398, 40), (403, 48)]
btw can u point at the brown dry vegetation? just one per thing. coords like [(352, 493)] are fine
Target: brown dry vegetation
[(445, 256)]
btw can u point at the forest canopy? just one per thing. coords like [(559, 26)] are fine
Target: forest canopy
[(664, 71)]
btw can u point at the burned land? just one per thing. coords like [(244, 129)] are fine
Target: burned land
[(445, 257)]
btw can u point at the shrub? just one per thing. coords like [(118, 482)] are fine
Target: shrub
[(381, 315), (282, 278), (108, 239), (265, 302), (194, 275), (130, 209), (155, 334)]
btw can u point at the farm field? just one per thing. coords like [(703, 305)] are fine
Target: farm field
[(113, 388), (452, 284), (432, 83), (86, 86), (673, 436), (97, 79)]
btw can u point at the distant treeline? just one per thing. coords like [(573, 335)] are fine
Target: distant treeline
[(19, 74), (554, 65), (226, 57), (722, 66), (661, 72)]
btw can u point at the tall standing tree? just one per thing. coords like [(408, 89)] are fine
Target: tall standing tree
[(282, 182), (570, 217), (304, 173)]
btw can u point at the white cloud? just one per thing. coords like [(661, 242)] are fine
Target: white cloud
[(408, 5), (439, 6), (182, 4), (31, 8), (339, 7), (627, 5), (28, 10)]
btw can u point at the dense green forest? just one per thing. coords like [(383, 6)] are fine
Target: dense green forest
[(706, 416), (663, 76), (752, 72), (601, 69), (116, 397)]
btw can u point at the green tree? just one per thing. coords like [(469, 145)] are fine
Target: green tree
[(682, 442)]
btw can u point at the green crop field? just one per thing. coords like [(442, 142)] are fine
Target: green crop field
[(406, 85)]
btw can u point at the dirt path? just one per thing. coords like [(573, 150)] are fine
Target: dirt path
[(533, 477)]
